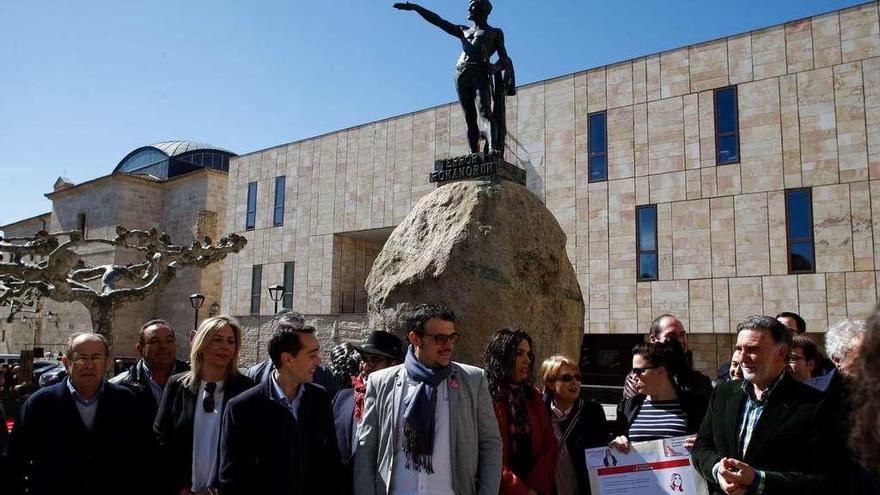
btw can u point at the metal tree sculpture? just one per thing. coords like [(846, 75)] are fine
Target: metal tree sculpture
[(63, 275)]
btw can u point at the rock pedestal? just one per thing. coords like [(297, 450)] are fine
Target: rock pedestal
[(494, 254)]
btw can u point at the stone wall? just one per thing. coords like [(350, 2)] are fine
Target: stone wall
[(809, 116)]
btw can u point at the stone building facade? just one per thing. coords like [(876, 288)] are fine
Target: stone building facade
[(807, 113), (187, 203)]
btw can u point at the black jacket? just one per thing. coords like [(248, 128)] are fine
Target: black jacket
[(343, 418), (584, 428), (135, 379), (51, 446), (174, 428), (264, 449), (792, 442), (694, 406)]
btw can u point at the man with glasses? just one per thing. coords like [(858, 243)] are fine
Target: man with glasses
[(381, 351), (67, 436), (428, 424)]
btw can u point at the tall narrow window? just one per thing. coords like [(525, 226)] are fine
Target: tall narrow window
[(278, 212), (256, 285), (799, 231), (287, 302), (598, 162), (81, 223), (646, 242), (251, 219), (726, 126)]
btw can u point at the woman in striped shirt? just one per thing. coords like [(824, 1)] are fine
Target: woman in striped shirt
[(661, 409)]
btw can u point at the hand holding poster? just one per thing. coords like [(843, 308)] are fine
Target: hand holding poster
[(650, 468)]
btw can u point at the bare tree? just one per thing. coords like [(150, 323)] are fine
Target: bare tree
[(63, 276)]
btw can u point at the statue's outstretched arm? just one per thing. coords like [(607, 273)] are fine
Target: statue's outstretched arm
[(431, 17)]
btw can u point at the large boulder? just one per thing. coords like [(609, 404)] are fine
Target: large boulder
[(494, 254)]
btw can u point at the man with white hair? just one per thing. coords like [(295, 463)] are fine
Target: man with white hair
[(843, 343)]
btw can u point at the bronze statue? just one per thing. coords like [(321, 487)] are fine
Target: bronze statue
[(476, 77)]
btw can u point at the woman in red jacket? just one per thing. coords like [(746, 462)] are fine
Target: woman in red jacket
[(529, 445)]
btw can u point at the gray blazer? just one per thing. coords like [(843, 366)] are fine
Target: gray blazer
[(475, 442)]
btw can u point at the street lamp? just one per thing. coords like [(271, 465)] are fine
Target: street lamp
[(276, 292), (196, 300)]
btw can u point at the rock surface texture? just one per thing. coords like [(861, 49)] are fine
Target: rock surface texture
[(494, 254)]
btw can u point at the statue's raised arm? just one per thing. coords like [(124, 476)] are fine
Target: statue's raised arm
[(431, 17)]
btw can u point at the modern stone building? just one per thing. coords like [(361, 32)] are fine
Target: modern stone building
[(713, 181), (178, 187)]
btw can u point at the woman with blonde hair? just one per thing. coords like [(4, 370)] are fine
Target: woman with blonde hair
[(578, 424), (187, 425)]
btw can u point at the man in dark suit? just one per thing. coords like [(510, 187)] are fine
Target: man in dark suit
[(767, 433), (67, 437), (278, 437), (157, 347), (381, 351)]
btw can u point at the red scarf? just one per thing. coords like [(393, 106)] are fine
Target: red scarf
[(360, 390)]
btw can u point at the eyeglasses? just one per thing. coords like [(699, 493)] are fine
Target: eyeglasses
[(640, 371), (569, 377), (442, 338), (81, 359)]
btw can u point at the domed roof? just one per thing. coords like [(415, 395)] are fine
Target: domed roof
[(146, 156)]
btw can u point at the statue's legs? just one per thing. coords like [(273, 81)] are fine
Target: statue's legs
[(475, 96)]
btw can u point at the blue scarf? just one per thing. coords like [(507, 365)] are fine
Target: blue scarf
[(418, 417)]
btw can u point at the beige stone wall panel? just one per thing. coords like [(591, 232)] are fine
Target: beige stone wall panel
[(875, 219), (559, 135), (620, 84), (780, 294), (862, 228), (666, 136), (752, 235), (645, 311), (739, 58), (859, 32), (691, 111), (326, 186), (871, 75), (747, 296), (530, 132), (835, 285), (596, 87), (817, 127), (720, 306), (691, 240), (671, 297), (640, 81), (852, 142), (768, 52), (812, 301), (664, 241), (723, 237), (674, 73), (700, 306), (728, 179), (778, 233), (707, 128), (832, 228), (693, 184), (621, 147), (708, 66), (381, 170), (424, 130), (799, 45), (641, 151), (861, 294), (668, 187), (708, 182), (791, 144), (826, 40), (622, 256), (760, 138), (652, 69), (643, 190), (599, 253)]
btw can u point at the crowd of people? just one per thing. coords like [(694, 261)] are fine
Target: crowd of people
[(404, 418)]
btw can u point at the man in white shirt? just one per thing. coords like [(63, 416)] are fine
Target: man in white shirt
[(428, 426)]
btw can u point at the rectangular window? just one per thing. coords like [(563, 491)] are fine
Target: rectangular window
[(799, 231), (278, 212), (646, 242), (726, 126), (598, 138), (251, 220), (287, 302), (256, 286), (81, 223)]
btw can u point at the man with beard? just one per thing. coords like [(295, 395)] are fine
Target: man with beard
[(767, 433)]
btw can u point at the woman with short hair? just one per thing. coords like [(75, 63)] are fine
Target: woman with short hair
[(578, 424), (528, 459), (188, 423)]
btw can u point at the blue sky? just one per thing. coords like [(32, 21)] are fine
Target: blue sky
[(83, 83)]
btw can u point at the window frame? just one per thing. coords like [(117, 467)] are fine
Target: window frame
[(276, 207), (735, 132), (250, 218), (256, 299), (604, 153), (639, 250), (788, 238)]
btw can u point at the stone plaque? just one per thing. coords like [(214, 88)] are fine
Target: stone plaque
[(483, 166)]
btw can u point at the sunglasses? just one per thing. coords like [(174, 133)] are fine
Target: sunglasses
[(568, 377), (640, 371), (442, 339)]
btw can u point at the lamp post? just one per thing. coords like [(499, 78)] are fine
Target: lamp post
[(276, 292), (196, 300)]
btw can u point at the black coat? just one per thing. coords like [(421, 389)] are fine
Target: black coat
[(343, 418), (264, 449), (792, 442), (174, 428), (51, 446), (585, 428), (135, 379), (694, 405)]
